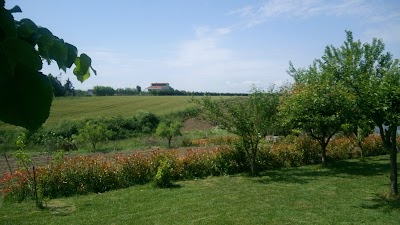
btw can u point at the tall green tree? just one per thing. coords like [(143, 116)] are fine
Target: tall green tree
[(317, 107), (25, 92), (138, 89), (57, 87), (69, 88), (372, 75), (251, 118)]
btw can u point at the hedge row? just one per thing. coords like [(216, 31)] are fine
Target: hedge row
[(85, 174)]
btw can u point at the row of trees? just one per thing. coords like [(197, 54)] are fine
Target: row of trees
[(352, 89), (109, 91), (59, 89), (174, 92)]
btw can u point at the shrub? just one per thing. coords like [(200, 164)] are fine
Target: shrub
[(343, 148), (147, 121), (229, 160), (94, 133), (198, 164), (308, 148), (81, 175), (372, 145), (164, 175), (16, 186)]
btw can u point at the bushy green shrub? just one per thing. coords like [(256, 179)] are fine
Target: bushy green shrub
[(147, 121), (120, 127), (164, 175), (8, 140)]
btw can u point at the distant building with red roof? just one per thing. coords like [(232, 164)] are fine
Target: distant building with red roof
[(159, 87)]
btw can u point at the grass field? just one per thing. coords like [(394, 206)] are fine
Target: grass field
[(347, 192), (75, 108), (126, 106)]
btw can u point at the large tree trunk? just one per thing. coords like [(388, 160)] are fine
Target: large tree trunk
[(323, 153), (389, 142), (393, 163), (253, 163)]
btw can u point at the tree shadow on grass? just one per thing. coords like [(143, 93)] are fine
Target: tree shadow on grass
[(370, 167), (292, 175), (383, 202), (303, 175)]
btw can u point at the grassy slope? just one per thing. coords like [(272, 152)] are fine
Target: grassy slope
[(347, 192), (86, 107), (77, 108)]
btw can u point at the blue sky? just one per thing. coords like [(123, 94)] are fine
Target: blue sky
[(207, 45)]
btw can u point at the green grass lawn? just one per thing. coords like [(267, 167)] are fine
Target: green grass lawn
[(347, 192)]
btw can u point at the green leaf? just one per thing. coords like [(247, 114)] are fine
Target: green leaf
[(26, 28), (7, 25), (15, 9), (6, 70), (72, 54), (59, 52), (18, 51), (82, 63), (45, 41), (26, 98)]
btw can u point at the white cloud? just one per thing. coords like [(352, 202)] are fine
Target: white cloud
[(204, 64), (368, 10), (389, 33)]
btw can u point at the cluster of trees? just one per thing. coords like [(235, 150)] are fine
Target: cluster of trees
[(109, 91), (174, 92), (351, 89), (59, 89)]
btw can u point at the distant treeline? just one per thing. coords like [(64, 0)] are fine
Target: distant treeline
[(109, 91)]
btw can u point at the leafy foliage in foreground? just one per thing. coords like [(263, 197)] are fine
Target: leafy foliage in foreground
[(25, 93)]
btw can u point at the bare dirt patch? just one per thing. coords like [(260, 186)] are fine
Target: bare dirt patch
[(195, 124)]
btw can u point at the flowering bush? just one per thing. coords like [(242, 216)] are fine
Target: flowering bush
[(343, 148), (16, 186), (85, 174), (372, 145)]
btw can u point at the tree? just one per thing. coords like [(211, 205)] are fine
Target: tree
[(317, 107), (251, 118), (57, 87), (138, 89), (69, 88), (373, 76), (169, 130), (103, 91), (94, 133), (26, 93)]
